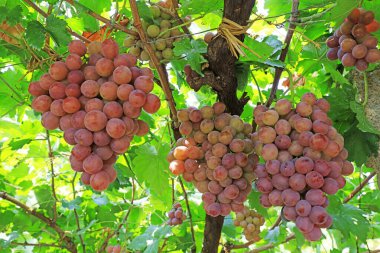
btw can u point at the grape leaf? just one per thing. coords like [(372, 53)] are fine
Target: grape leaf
[(57, 29), (262, 49), (191, 7), (18, 144), (73, 204), (364, 124), (12, 16), (151, 168), (348, 219), (192, 50), (144, 11), (35, 34), (360, 145), (96, 6), (151, 235), (341, 10)]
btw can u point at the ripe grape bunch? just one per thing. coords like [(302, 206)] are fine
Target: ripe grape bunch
[(305, 159), (176, 215), (353, 43), (216, 156), (96, 102), (250, 221), (162, 30), (115, 249)]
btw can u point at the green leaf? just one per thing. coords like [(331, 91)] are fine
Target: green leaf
[(263, 50), (144, 11), (151, 168), (96, 6), (360, 145), (73, 204), (18, 144), (341, 10), (150, 236), (242, 74), (364, 124), (57, 29), (44, 197), (192, 51), (191, 7), (348, 219), (100, 199), (35, 34)]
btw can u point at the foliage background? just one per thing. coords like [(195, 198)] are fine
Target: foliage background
[(32, 158)]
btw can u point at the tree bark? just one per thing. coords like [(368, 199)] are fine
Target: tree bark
[(222, 63)]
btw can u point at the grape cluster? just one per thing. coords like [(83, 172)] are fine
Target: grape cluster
[(176, 215), (163, 30), (216, 156), (305, 159), (96, 102), (250, 221), (115, 249), (353, 43)]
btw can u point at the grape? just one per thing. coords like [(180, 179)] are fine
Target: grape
[(290, 197), (77, 119), (235, 173), (303, 124), (220, 173), (283, 107), (283, 142), (104, 67), (304, 109), (113, 110), (326, 224), (100, 181), (332, 41), (92, 164), (273, 166), (283, 127), (214, 209), (83, 137), (231, 191), (226, 136), (264, 185), (315, 197), (313, 154), (330, 186), (90, 88), (137, 98), (58, 71), (108, 91), (295, 149), (181, 153), (221, 121), (76, 165), (73, 90), (270, 117), (110, 161), (347, 45), (41, 103), (50, 121), (319, 142), (57, 90), (361, 65), (322, 167), (318, 215), (297, 182), (303, 208), (214, 187), (109, 48), (332, 149), (304, 224), (85, 178), (287, 169), (264, 200), (115, 127), (289, 213), (219, 150), (207, 126), (279, 182), (73, 62), (200, 174), (95, 121), (177, 167), (346, 27), (65, 122), (77, 47), (123, 91), (314, 179), (260, 171), (269, 152), (341, 181), (191, 165), (241, 183), (94, 58), (90, 73), (313, 235), (46, 81), (199, 137), (68, 135), (71, 105), (144, 83), (236, 145), (304, 138), (348, 168), (104, 152), (266, 134), (241, 159), (56, 108), (275, 198), (373, 56), (370, 42), (131, 111), (122, 75), (359, 51), (36, 90), (195, 115), (128, 60), (320, 127), (80, 152)]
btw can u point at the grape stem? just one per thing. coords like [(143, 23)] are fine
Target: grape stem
[(193, 248), (291, 84), (76, 214), (365, 89), (284, 52), (359, 187), (69, 243), (45, 15), (258, 88)]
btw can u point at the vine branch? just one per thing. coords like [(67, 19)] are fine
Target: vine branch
[(51, 157), (193, 248), (76, 214), (284, 52), (160, 67), (359, 187), (70, 245), (37, 244)]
